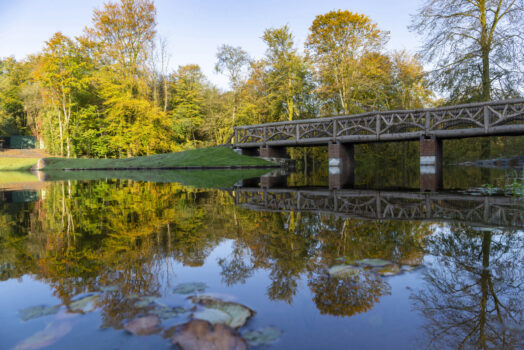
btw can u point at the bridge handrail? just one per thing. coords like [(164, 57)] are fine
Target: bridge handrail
[(375, 113), (479, 118)]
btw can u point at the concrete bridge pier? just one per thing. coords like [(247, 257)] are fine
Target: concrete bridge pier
[(430, 164), (273, 152), (341, 165)]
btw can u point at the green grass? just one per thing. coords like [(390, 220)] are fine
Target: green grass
[(203, 157), (196, 178), (16, 164)]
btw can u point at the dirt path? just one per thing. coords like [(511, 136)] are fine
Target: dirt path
[(23, 153)]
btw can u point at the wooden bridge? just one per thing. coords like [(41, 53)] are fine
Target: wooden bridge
[(430, 126), (387, 205)]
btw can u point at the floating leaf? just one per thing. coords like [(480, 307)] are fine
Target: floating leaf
[(143, 325), (343, 271), (188, 288), (48, 336), (213, 316), (38, 311), (145, 301), (374, 262), (166, 312), (202, 335), (262, 336), (84, 304), (238, 313)]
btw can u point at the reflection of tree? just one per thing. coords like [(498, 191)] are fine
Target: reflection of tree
[(473, 294), (347, 296)]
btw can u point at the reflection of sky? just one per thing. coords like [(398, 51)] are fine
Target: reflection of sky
[(194, 29)]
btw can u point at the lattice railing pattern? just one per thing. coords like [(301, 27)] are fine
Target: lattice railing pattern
[(479, 119), (492, 211)]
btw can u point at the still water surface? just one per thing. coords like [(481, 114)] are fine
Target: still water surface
[(81, 259)]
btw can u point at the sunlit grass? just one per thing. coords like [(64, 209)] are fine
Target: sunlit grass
[(203, 157), (20, 164)]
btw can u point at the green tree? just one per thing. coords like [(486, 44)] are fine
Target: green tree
[(340, 45), (288, 79), (476, 46)]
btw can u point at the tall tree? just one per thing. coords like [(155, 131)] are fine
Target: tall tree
[(288, 79), (233, 61), (62, 72), (337, 42), (476, 46)]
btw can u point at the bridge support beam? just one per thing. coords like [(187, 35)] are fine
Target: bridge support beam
[(430, 164), (273, 152), (341, 165), (253, 152)]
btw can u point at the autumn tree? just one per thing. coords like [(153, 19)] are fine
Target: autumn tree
[(342, 47), (476, 46), (62, 73)]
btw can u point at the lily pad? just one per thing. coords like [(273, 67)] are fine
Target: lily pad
[(189, 288), (167, 312), (263, 336), (237, 314), (374, 262), (202, 335), (343, 271), (143, 325), (390, 270), (38, 311), (53, 332), (84, 304)]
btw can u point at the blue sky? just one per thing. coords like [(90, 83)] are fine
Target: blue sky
[(195, 28)]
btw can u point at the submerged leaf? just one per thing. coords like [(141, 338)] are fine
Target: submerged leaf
[(188, 288), (263, 336), (202, 335), (343, 271), (38, 311), (374, 262), (48, 336), (166, 312), (390, 270), (84, 304), (145, 301), (143, 325), (238, 313)]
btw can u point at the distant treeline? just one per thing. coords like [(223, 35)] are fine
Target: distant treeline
[(109, 92)]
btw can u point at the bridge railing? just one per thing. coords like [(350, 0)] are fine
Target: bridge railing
[(388, 205), (476, 119)]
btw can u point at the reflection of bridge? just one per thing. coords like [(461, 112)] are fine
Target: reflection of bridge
[(431, 126), (386, 205)]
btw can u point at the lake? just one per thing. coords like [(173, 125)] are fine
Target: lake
[(127, 260)]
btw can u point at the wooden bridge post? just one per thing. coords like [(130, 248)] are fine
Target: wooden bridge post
[(341, 165), (430, 163)]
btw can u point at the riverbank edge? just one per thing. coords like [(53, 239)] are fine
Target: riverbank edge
[(212, 158)]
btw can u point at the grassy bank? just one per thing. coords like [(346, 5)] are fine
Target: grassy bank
[(16, 164), (214, 157)]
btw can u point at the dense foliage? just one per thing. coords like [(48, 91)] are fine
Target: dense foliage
[(109, 92)]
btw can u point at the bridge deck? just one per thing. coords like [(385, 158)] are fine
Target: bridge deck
[(470, 120)]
